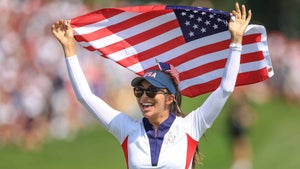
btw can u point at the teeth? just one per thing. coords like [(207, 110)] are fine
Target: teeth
[(147, 104)]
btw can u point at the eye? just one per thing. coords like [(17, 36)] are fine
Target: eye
[(153, 89)]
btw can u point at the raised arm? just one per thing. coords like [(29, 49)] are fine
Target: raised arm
[(97, 107), (212, 106), (215, 102)]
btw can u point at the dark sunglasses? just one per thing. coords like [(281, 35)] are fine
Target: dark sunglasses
[(150, 92)]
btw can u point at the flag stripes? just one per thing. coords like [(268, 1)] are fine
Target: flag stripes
[(135, 36)]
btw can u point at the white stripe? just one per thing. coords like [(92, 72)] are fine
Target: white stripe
[(146, 45), (132, 31), (169, 55), (180, 50), (211, 57), (104, 23), (246, 67)]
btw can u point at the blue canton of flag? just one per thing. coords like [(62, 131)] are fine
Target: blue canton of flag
[(198, 22)]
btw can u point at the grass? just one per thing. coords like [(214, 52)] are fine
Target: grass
[(275, 138)]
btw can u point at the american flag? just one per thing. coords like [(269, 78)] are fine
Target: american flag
[(171, 69), (195, 40)]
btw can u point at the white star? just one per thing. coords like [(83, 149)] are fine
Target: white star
[(191, 16), (195, 26), (215, 26), (187, 23), (203, 30), (211, 16), (195, 11), (199, 19), (219, 20), (191, 34), (207, 22), (203, 13), (183, 14)]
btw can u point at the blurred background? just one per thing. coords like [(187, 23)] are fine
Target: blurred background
[(43, 126)]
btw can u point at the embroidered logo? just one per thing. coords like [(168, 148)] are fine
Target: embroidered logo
[(150, 74), (171, 138)]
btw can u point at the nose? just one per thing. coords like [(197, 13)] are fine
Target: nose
[(144, 95)]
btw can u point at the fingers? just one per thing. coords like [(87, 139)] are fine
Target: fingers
[(60, 25), (237, 8), (241, 13), (249, 16), (243, 16)]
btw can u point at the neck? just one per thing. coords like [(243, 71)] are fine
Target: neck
[(156, 122)]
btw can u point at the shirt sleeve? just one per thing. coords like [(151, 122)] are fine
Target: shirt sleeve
[(203, 117), (96, 106)]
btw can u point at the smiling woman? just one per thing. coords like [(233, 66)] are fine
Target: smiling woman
[(164, 137)]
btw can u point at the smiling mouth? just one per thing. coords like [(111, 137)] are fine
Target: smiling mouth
[(146, 105)]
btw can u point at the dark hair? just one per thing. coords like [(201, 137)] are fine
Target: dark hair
[(176, 108)]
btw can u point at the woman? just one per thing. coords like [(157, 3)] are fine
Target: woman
[(163, 138)]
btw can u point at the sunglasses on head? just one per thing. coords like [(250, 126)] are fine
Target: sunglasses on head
[(150, 92)]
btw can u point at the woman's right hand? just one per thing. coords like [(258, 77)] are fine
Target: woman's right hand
[(64, 33)]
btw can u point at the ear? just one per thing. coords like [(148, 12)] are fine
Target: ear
[(170, 99)]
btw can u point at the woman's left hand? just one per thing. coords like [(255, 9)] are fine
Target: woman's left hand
[(238, 23)]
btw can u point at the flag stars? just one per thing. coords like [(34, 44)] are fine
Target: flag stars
[(200, 22), (199, 19), (215, 26), (207, 22), (195, 26), (203, 30), (191, 33), (187, 23)]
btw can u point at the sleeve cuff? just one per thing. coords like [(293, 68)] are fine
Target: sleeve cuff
[(235, 46)]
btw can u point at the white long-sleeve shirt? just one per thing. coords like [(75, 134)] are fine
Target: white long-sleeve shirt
[(177, 138)]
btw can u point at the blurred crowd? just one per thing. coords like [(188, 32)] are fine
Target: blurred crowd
[(36, 99)]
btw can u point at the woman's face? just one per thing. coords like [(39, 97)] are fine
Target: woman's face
[(156, 108)]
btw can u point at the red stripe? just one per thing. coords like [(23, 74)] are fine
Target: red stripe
[(248, 39), (192, 54), (198, 52), (144, 8), (139, 38), (252, 77), (151, 53), (125, 150), (215, 47), (242, 79), (202, 88), (191, 149), (252, 57), (200, 70), (94, 17), (122, 25)]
